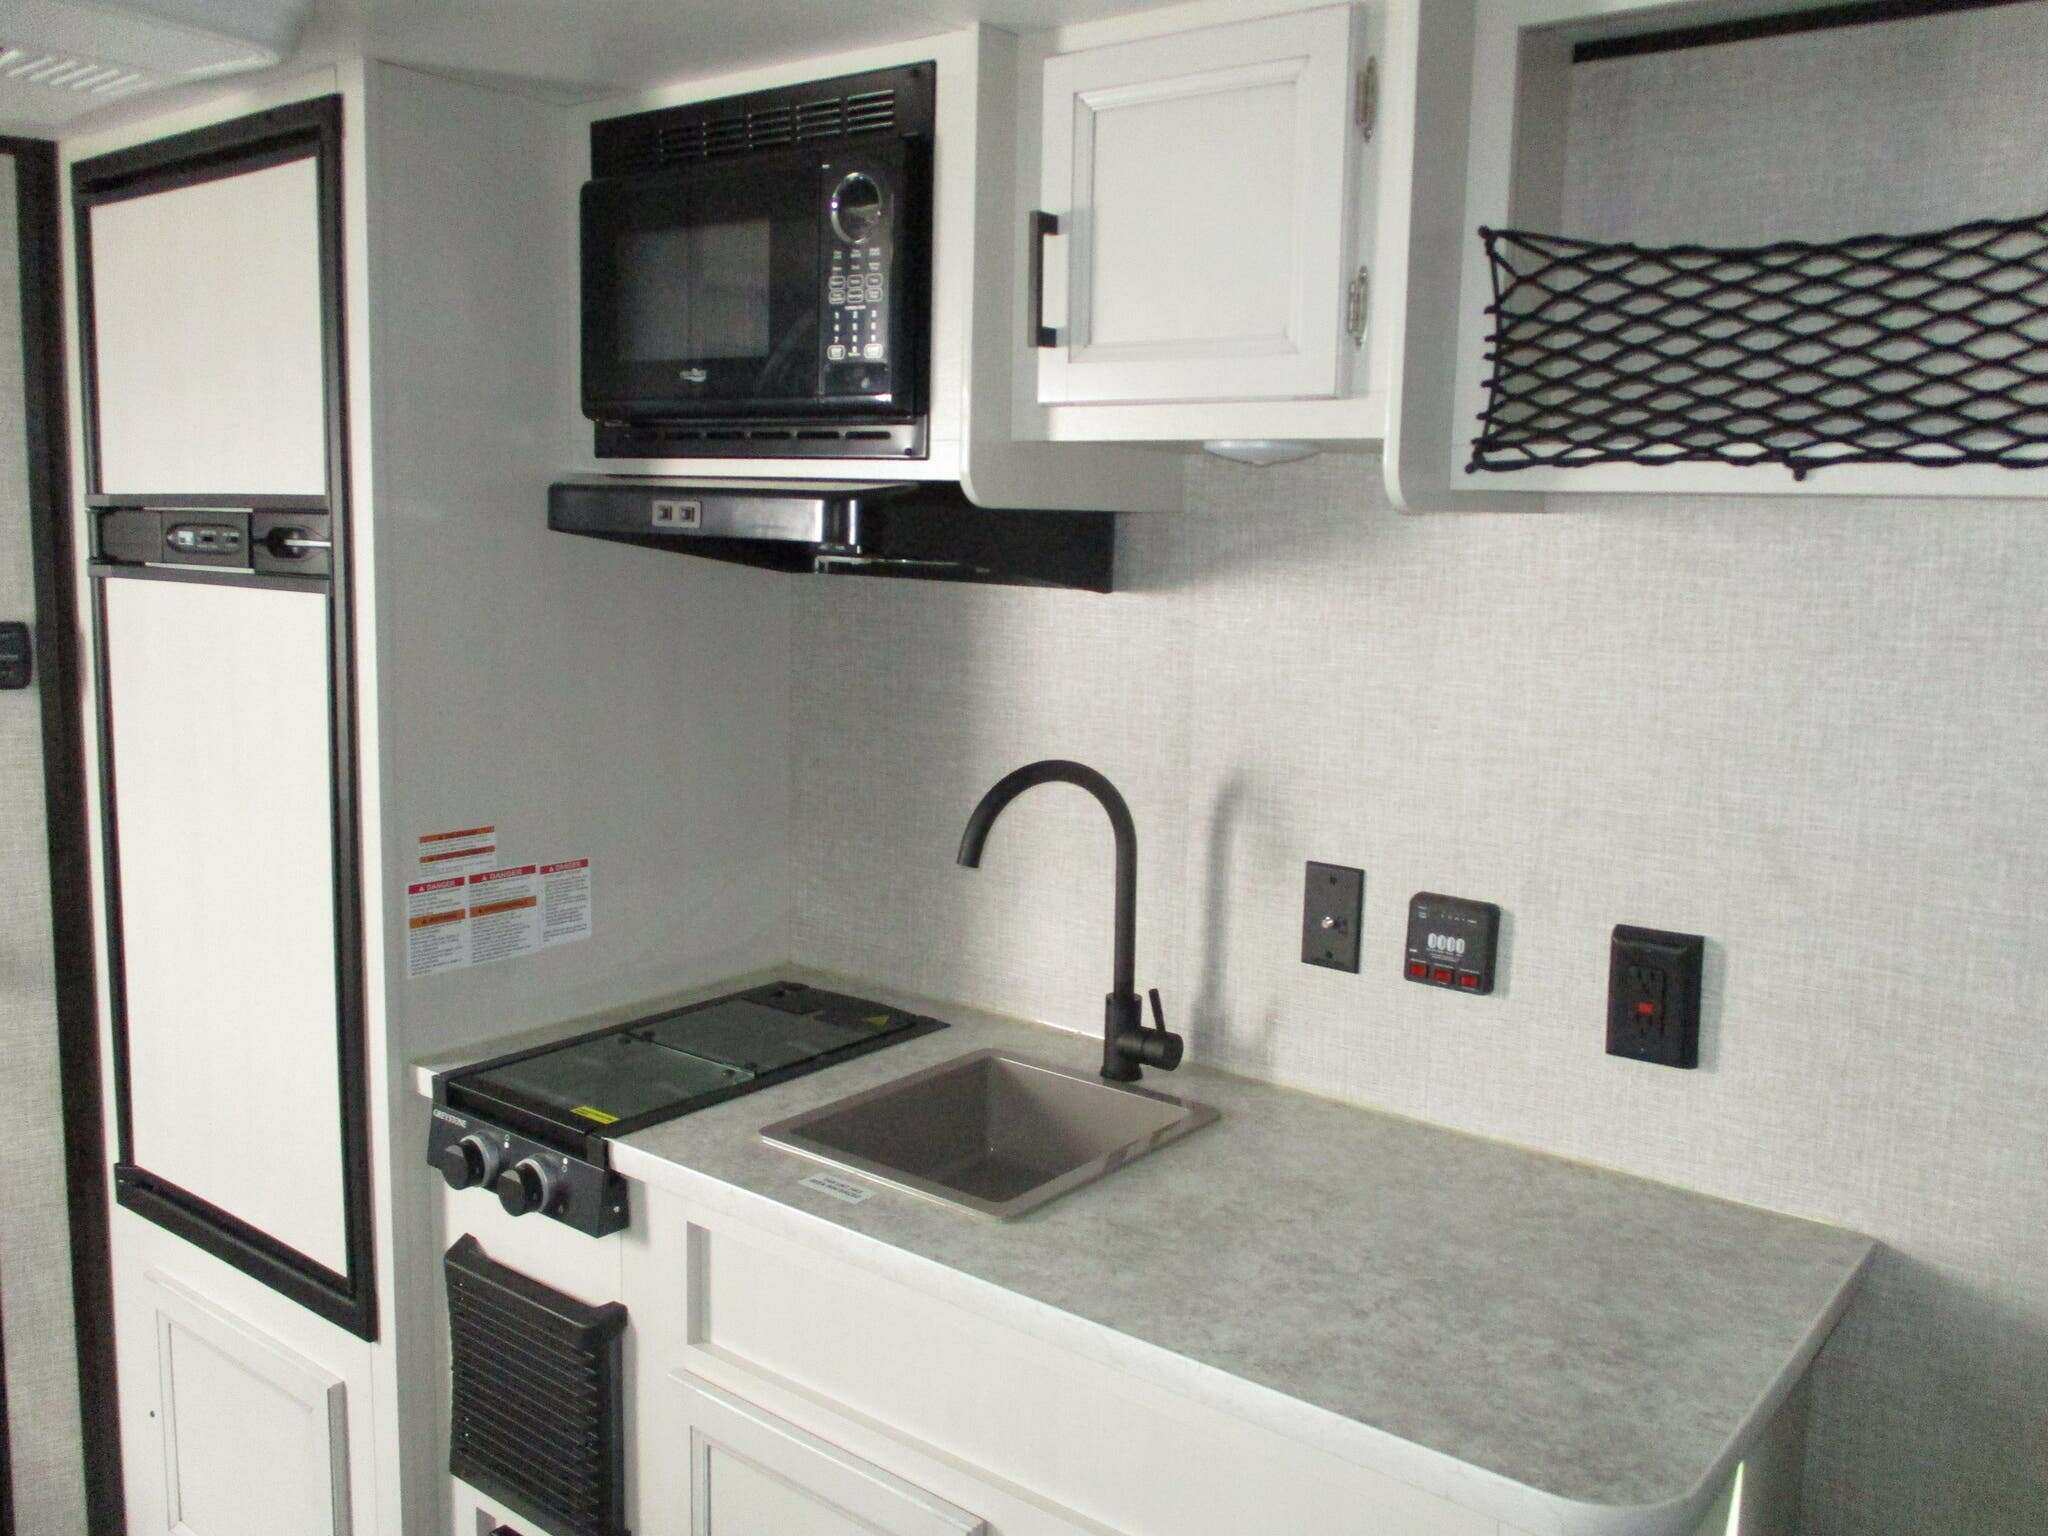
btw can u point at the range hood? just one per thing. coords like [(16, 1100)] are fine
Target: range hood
[(916, 528)]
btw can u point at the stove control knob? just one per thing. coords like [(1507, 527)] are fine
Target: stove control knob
[(526, 1186), (468, 1162)]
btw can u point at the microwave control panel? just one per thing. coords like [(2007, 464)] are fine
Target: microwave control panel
[(860, 251)]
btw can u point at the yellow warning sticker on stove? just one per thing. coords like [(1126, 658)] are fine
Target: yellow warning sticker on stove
[(589, 1113)]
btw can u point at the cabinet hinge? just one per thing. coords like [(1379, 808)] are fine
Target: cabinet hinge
[(1367, 100), (1354, 306)]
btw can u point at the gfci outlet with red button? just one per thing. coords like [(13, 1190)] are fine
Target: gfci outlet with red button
[(1653, 996), (1452, 943)]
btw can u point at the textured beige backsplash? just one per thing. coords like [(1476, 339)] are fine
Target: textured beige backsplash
[(1816, 733)]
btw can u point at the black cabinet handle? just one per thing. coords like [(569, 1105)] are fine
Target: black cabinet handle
[(17, 654), (1042, 225)]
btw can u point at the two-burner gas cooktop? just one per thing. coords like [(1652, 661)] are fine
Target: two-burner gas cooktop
[(536, 1126)]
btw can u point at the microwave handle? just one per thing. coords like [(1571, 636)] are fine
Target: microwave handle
[(1042, 225)]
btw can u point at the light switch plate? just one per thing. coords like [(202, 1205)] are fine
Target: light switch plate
[(1332, 903)]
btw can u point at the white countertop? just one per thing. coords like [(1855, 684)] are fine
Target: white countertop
[(1564, 1347)]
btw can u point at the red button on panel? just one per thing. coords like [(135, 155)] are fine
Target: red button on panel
[(1646, 1009), (1417, 969), (1467, 979), (1442, 974)]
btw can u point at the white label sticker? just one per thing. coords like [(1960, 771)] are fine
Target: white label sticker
[(458, 920), (504, 914), (565, 901), (436, 926), (838, 1188), (458, 852)]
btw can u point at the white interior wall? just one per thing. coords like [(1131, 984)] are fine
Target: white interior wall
[(587, 699)]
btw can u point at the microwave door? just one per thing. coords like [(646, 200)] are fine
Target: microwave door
[(700, 293)]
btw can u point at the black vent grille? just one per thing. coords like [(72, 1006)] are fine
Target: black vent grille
[(829, 111), (536, 1417)]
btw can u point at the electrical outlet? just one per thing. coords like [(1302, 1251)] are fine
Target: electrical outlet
[(1653, 996), (1333, 898)]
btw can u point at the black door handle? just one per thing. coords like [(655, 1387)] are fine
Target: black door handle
[(1042, 225), (17, 654)]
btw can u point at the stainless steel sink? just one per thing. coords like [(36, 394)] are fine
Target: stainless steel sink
[(990, 1132)]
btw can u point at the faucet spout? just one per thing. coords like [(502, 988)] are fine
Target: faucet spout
[(1126, 1040), (1059, 771)]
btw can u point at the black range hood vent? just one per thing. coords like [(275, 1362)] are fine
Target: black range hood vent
[(917, 528)]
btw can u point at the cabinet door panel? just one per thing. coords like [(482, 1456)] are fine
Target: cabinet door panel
[(754, 1474), (206, 338), (254, 1435), (1203, 182)]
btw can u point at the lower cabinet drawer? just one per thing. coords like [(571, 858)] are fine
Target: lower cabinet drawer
[(753, 1473)]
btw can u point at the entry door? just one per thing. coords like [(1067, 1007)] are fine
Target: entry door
[(42, 1473)]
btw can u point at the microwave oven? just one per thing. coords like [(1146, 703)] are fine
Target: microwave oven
[(756, 273)]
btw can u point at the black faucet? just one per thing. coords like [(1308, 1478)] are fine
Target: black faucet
[(1126, 1041)]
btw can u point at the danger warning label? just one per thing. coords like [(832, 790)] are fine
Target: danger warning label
[(495, 914)]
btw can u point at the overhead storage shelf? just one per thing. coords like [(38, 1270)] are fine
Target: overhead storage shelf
[(1664, 280)]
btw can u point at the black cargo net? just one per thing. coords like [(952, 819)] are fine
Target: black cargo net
[(1926, 349)]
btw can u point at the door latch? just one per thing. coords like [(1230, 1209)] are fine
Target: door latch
[(1366, 101), (17, 654), (1355, 297)]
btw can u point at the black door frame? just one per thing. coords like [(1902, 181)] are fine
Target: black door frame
[(58, 665)]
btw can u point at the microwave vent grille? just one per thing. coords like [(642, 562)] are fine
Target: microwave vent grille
[(652, 141)]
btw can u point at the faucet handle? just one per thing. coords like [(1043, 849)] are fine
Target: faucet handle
[(1159, 1046)]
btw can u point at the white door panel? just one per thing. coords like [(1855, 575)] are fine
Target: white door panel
[(1203, 186), (224, 836), (255, 1436), (206, 337)]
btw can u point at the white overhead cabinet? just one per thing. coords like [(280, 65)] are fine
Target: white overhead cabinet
[(1202, 197), (206, 339)]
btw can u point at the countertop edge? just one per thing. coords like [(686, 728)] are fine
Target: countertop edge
[(1531, 1509)]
